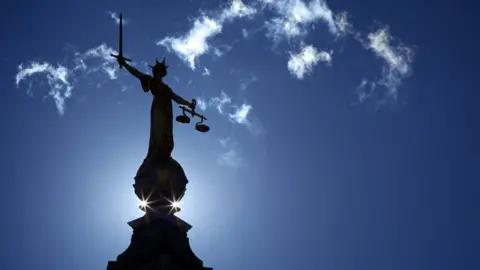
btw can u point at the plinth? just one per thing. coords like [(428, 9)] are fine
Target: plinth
[(159, 240), (158, 243)]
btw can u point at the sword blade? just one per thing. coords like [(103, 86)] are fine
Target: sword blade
[(120, 38), (120, 42), (120, 45)]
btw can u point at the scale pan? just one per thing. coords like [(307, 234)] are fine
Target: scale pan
[(202, 127), (183, 119)]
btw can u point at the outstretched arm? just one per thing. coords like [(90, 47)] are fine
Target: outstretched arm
[(178, 99)]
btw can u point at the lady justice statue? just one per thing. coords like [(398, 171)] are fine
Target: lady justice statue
[(160, 180), (159, 238)]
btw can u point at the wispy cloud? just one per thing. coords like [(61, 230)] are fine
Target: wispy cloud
[(107, 62), (342, 23), (243, 115), (230, 156), (397, 66), (62, 79), (293, 18), (195, 43), (304, 61), (116, 18), (237, 114), (58, 79), (245, 83), (250, 33), (244, 33), (206, 72), (218, 102), (240, 115)]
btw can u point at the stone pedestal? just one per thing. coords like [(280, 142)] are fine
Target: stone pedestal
[(158, 243), (159, 240)]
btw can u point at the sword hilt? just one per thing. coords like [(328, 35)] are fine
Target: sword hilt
[(121, 57)]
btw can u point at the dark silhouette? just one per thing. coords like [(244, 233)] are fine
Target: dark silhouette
[(159, 239), (161, 116)]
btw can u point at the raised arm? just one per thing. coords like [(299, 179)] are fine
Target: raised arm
[(134, 71), (144, 78)]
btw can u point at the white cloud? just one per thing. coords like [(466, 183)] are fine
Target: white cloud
[(240, 115), (57, 78), (243, 115), (202, 104), (192, 45), (236, 9), (293, 17), (397, 65), (303, 62), (206, 72), (62, 79)]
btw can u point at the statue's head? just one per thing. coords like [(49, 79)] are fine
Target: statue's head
[(160, 69)]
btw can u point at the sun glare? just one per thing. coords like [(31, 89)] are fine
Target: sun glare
[(175, 204), (143, 204)]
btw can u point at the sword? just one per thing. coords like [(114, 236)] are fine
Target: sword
[(120, 43)]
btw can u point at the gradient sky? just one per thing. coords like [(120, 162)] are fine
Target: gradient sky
[(344, 135)]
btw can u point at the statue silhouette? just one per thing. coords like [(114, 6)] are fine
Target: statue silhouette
[(161, 115)]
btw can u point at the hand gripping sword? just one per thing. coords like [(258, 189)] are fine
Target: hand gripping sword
[(120, 43)]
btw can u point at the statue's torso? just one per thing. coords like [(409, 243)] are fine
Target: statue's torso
[(161, 120), (162, 103)]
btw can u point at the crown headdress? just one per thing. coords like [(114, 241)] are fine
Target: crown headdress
[(159, 66)]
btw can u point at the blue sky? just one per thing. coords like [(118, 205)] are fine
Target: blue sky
[(344, 134)]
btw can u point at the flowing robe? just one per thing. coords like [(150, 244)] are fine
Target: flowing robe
[(160, 177), (161, 118)]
